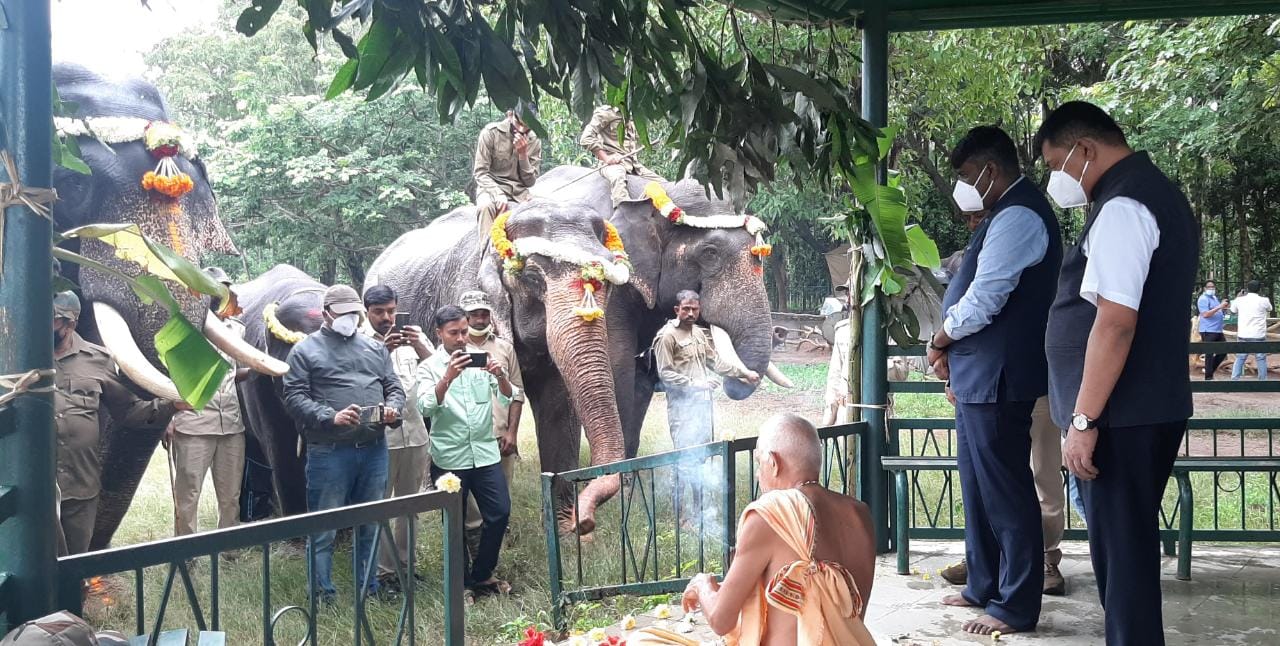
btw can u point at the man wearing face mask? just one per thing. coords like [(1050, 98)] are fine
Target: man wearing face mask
[(343, 390), (992, 350), (1117, 344), (1210, 325)]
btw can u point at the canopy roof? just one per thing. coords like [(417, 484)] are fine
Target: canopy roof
[(916, 15)]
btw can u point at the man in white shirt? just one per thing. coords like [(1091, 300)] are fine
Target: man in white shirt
[(1252, 326)]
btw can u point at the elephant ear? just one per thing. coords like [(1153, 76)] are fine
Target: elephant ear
[(491, 284), (639, 232)]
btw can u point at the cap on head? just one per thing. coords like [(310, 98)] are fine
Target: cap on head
[(66, 305), (218, 274), (526, 108), (341, 299), (475, 300)]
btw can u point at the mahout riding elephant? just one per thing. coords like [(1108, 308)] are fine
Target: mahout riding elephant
[(110, 125), (716, 262), (564, 357), (281, 306)]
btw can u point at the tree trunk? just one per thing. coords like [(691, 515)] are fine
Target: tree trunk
[(329, 271), (355, 267), (778, 273)]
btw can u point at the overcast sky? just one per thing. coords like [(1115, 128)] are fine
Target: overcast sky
[(111, 35)]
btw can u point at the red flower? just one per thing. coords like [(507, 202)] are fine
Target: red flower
[(533, 637), (613, 640)]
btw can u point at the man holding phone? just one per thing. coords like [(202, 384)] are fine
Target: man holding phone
[(456, 391), (337, 382), (407, 445)]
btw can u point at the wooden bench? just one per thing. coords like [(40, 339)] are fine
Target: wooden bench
[(1183, 467)]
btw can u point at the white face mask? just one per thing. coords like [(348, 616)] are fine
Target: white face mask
[(476, 332), (1067, 191), (1210, 291), (346, 324), (967, 196)]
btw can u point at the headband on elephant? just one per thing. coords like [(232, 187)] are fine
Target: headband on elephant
[(278, 329), (163, 140), (754, 226), (593, 271)]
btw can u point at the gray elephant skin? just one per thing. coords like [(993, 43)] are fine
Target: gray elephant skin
[(668, 258), (564, 359), (299, 302), (113, 194)]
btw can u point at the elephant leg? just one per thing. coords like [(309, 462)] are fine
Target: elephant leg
[(559, 434), (125, 455), (633, 427), (278, 436)]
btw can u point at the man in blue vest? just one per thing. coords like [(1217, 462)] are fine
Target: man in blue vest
[(1117, 345), (991, 347)]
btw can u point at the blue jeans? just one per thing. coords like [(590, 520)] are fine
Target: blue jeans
[(1238, 368), (1077, 501), (489, 486), (337, 476)]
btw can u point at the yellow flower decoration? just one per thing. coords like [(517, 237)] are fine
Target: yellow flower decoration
[(628, 622), (449, 482), (597, 635), (613, 242), (278, 329), (662, 611)]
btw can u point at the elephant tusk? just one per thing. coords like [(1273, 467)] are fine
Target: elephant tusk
[(724, 348), (236, 348), (116, 337), (775, 375)]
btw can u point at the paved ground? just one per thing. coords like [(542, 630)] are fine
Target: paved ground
[(1233, 598)]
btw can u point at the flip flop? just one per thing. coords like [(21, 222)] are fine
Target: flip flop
[(491, 588)]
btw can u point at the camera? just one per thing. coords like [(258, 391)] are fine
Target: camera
[(370, 415)]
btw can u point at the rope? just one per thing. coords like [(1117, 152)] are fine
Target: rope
[(24, 383), (13, 193)]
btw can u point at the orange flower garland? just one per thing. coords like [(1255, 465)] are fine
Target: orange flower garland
[(164, 142), (613, 242), (511, 261)]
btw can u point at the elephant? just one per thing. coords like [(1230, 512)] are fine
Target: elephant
[(563, 357), (110, 124), (295, 300), (666, 259)]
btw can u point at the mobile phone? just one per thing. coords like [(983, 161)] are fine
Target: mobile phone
[(478, 359), (402, 319), (371, 414)]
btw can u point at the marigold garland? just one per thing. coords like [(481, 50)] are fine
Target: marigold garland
[(613, 242), (278, 329), (754, 226), (164, 142), (511, 261)]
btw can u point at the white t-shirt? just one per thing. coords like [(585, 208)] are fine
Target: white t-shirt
[(1252, 309), (1119, 248)]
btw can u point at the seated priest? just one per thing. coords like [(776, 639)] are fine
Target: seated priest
[(805, 556)]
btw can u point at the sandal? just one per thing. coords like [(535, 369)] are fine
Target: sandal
[(491, 588), (468, 598)]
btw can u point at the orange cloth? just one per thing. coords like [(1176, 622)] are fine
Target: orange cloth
[(821, 594)]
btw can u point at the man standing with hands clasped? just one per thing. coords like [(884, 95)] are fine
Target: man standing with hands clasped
[(456, 391), (1210, 325), (1117, 344), (991, 347)]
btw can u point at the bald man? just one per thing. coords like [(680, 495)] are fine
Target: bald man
[(805, 556)]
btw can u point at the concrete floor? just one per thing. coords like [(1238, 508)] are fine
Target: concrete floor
[(1233, 598)]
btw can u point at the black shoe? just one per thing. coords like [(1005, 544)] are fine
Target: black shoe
[(390, 582), (326, 600)]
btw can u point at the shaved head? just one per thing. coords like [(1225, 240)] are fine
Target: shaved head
[(793, 442)]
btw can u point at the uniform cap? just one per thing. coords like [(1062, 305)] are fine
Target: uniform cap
[(218, 274), (66, 305), (475, 300), (341, 299)]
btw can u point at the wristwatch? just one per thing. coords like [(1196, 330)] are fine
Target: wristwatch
[(1083, 423), (935, 348)]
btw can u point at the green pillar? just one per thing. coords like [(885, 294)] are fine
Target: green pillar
[(27, 551), (875, 379)]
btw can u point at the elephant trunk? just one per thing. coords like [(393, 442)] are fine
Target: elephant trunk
[(580, 349), (739, 305)]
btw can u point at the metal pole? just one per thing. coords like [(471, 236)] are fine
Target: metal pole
[(27, 538), (875, 379)]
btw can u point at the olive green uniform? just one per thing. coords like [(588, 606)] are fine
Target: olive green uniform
[(500, 175), (601, 135)]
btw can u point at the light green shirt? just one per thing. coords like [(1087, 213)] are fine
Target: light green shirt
[(461, 425)]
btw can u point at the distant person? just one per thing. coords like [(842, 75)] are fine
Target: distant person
[(1117, 343), (616, 159), (839, 302), (1252, 327), (343, 390), (805, 558), (209, 442), (1210, 325), (507, 162), (837, 392)]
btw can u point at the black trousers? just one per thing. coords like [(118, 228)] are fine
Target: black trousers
[(489, 486), (1122, 506), (1003, 537), (1212, 361)]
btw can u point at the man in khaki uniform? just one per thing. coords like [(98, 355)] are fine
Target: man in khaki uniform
[(688, 367), (600, 138), (407, 457), (209, 440), (87, 379), (506, 418), (508, 157)]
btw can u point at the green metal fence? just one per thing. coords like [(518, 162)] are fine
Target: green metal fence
[(659, 532), (1233, 498), (181, 555)]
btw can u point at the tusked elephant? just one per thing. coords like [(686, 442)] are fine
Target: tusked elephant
[(295, 302), (119, 113), (564, 358), (668, 258)]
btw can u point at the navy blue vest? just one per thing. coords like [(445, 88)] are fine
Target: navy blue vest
[(1005, 361), (1154, 387)]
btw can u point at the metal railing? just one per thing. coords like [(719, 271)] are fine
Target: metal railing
[(655, 538), (180, 554), (1233, 500)]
